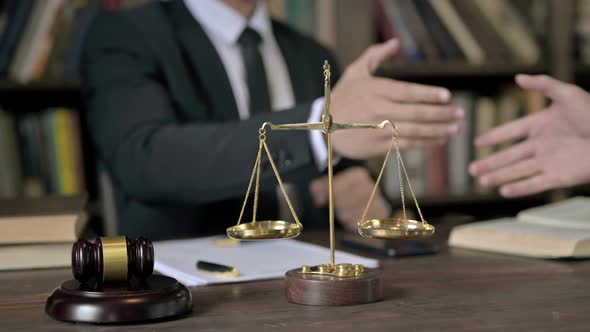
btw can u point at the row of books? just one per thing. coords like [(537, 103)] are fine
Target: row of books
[(475, 31), (345, 26), (40, 153), (41, 40), (443, 170)]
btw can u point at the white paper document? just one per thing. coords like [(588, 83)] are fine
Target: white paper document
[(254, 260)]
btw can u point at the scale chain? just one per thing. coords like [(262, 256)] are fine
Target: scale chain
[(256, 166), (280, 181), (412, 192), (401, 183), (256, 189), (401, 168), (383, 166)]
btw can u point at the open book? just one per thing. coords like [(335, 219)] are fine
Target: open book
[(558, 230)]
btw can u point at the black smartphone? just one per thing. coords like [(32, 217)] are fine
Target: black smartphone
[(390, 248)]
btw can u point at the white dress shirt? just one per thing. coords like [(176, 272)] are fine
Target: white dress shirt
[(224, 25)]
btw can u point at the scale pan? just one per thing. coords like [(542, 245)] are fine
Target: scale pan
[(394, 229), (264, 230)]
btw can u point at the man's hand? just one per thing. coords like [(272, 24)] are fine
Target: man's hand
[(420, 112), (352, 188), (554, 151)]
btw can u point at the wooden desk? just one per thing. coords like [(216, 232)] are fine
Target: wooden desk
[(455, 290)]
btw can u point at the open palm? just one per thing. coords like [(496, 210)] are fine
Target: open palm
[(553, 153)]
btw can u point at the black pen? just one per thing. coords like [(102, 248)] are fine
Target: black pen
[(217, 269)]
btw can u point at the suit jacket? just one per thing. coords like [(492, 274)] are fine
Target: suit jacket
[(162, 115)]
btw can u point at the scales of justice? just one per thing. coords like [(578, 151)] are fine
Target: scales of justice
[(331, 283)]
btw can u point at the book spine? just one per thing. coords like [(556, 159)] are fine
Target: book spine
[(494, 47), (327, 24), (485, 120), (24, 51), (440, 35), (77, 156), (386, 29), (18, 13), (418, 30), (62, 33), (10, 174), (460, 147), (30, 148), (410, 46), (461, 34), (356, 25), (436, 171), (64, 147), (50, 149), (506, 22)]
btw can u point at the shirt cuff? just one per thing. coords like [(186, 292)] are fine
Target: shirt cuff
[(316, 137), (318, 144)]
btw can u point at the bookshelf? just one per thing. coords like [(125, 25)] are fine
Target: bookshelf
[(558, 58), (20, 99), (349, 26), (40, 99)]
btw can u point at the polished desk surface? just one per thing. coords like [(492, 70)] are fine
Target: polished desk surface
[(456, 290)]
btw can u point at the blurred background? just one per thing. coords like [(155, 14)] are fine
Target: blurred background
[(474, 47)]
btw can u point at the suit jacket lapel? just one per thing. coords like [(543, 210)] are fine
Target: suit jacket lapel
[(205, 62), (163, 44), (207, 65)]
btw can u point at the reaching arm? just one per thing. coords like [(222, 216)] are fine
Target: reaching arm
[(140, 134)]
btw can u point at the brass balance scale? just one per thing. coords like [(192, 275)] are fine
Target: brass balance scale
[(330, 284)]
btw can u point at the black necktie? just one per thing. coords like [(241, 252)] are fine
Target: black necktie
[(255, 73)]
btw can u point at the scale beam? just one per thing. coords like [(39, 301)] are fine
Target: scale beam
[(295, 126), (323, 128)]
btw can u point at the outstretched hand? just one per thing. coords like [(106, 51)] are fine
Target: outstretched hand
[(554, 150), (421, 113)]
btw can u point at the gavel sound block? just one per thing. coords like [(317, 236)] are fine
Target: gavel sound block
[(113, 283)]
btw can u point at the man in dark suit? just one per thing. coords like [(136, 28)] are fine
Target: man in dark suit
[(175, 93)]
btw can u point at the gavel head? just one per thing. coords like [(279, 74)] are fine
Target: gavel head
[(112, 259)]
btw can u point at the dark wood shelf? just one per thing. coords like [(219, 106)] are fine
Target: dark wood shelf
[(478, 206), (582, 68), (41, 86), (456, 69), (470, 198), (35, 96), (467, 198), (582, 73)]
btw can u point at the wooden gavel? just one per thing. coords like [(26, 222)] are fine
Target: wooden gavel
[(112, 259)]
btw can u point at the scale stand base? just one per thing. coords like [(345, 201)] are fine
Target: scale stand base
[(315, 289), (157, 298)]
